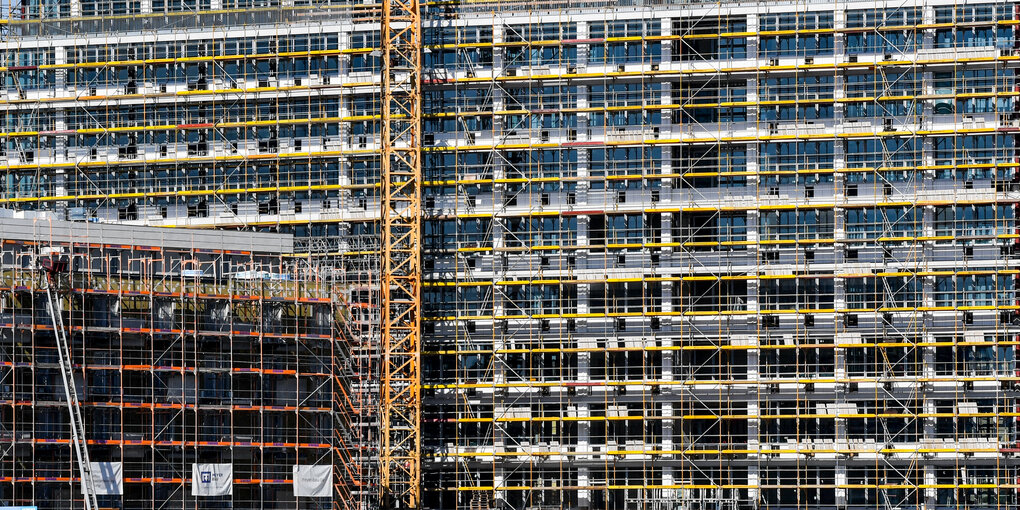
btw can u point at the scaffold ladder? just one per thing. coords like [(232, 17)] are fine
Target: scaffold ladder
[(52, 268)]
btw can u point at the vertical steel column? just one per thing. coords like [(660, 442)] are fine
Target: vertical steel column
[(399, 458)]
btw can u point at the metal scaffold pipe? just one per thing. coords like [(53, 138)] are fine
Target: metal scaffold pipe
[(53, 268)]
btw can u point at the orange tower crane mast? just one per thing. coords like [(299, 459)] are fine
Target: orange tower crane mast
[(401, 215)]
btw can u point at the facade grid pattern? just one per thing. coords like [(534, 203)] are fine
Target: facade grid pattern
[(675, 255)]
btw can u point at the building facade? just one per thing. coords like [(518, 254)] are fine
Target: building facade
[(186, 347), (678, 254)]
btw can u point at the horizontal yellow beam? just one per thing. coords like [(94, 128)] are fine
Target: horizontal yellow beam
[(721, 452), (650, 486), (719, 381), (742, 277), (711, 417), (234, 158), (715, 313), (799, 343)]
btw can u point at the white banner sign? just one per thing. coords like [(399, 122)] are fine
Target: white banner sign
[(313, 481), (212, 480), (107, 478)]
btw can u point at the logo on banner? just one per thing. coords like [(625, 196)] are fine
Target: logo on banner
[(211, 479), (209, 476)]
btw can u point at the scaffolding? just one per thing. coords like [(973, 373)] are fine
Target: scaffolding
[(722, 256), (53, 267), (675, 254), (185, 348)]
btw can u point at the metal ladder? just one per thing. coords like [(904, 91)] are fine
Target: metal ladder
[(71, 395)]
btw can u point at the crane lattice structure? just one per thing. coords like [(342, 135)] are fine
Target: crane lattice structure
[(400, 460)]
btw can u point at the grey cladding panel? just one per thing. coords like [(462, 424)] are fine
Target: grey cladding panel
[(58, 231)]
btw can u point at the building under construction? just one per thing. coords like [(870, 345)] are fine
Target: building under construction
[(573, 255), (187, 347)]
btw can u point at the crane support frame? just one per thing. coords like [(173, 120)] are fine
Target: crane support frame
[(400, 452)]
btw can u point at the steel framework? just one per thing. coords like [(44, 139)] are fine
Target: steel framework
[(64, 354), (400, 461)]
